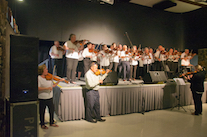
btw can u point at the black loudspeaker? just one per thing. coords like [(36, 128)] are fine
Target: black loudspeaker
[(111, 79), (23, 68), (164, 5), (22, 119), (154, 77)]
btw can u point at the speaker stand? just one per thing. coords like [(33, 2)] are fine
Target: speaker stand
[(178, 99)]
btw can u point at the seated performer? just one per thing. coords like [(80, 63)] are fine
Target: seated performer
[(45, 96), (92, 94), (185, 63), (56, 53)]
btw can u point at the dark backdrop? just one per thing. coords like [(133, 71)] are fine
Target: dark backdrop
[(195, 28), (56, 19)]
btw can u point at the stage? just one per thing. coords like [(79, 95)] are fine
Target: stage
[(124, 98)]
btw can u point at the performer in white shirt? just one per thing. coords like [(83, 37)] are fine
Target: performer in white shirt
[(140, 68), (56, 53), (94, 54), (87, 57), (104, 56), (185, 63), (147, 60), (72, 56), (114, 59), (133, 62), (45, 96), (153, 60), (157, 56), (170, 59), (187, 56), (175, 61), (92, 94), (80, 62), (125, 65)]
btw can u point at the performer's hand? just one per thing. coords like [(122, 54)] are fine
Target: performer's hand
[(100, 81), (50, 88), (107, 71), (62, 79), (159, 59)]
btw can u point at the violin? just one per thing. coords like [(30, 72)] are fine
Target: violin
[(56, 78), (60, 48), (79, 42), (188, 73), (100, 72), (93, 51), (108, 51), (163, 52), (148, 55)]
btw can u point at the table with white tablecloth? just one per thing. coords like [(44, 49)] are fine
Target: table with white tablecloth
[(121, 99)]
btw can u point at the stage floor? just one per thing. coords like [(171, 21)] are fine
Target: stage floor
[(124, 98)]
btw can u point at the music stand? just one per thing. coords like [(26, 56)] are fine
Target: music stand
[(179, 81)]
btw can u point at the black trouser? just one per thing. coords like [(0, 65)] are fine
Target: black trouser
[(59, 64), (71, 68), (158, 66), (87, 63), (42, 107), (92, 105), (146, 68), (80, 66), (175, 67), (170, 65), (140, 72), (197, 102)]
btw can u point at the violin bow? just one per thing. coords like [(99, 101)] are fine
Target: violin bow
[(129, 39), (139, 48), (53, 75)]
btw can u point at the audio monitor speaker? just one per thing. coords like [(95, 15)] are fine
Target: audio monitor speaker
[(23, 68), (111, 79), (154, 77)]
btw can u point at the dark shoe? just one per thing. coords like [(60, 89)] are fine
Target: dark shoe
[(44, 127), (92, 121), (200, 113), (194, 114), (101, 120)]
